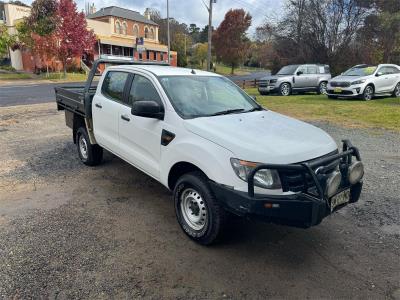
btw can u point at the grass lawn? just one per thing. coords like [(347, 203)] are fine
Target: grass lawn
[(226, 70), (59, 77), (378, 113), (14, 76)]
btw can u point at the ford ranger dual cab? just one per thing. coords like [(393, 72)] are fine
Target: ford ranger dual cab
[(212, 145)]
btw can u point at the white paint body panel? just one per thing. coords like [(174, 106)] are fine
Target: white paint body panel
[(207, 142)]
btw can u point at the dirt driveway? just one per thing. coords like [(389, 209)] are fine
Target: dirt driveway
[(67, 230)]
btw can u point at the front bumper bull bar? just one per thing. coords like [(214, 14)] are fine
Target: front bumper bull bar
[(301, 209)]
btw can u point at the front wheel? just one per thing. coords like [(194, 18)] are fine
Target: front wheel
[(285, 89), (322, 88), (89, 154), (198, 212), (368, 93), (396, 92)]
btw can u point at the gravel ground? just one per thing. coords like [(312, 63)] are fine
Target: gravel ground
[(71, 231)]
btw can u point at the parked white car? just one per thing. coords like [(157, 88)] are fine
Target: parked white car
[(213, 146), (365, 82)]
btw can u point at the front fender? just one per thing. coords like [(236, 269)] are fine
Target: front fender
[(212, 159)]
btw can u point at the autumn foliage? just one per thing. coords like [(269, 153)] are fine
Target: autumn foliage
[(230, 41)]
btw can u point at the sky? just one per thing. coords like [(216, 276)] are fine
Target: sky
[(194, 11)]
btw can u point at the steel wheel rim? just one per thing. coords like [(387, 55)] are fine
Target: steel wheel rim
[(193, 208), (285, 89), (322, 89), (83, 148), (368, 93), (397, 92)]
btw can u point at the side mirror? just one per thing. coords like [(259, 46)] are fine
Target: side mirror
[(379, 74), (299, 73), (147, 109)]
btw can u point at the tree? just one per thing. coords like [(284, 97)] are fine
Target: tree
[(72, 36), (6, 40), (230, 39), (43, 19), (200, 53)]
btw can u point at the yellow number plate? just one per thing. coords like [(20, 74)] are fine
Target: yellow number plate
[(340, 199), (337, 90)]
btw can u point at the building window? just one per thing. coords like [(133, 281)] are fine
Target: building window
[(135, 30), (140, 56), (124, 28), (162, 56), (117, 27), (152, 33), (146, 33)]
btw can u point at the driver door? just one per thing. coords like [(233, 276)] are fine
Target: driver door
[(140, 137), (301, 81)]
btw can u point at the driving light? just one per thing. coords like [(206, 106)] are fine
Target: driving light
[(273, 80), (358, 82), (264, 178), (333, 183), (355, 172)]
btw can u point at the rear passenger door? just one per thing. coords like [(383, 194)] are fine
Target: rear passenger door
[(106, 106), (300, 81), (140, 137), (313, 76)]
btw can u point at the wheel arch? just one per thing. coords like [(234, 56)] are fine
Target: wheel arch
[(179, 169)]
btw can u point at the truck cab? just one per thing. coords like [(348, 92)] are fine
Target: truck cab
[(214, 147)]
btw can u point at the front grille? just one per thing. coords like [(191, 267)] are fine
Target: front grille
[(296, 181), (340, 84), (263, 83)]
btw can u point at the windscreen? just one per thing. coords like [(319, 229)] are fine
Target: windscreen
[(201, 96), (360, 71), (288, 70)]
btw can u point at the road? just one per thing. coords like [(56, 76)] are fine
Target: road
[(71, 231), (20, 93)]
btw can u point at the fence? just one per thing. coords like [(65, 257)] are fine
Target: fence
[(245, 84)]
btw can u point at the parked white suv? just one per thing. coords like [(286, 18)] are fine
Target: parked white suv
[(365, 82), (213, 146)]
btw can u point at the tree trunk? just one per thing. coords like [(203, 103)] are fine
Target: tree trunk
[(65, 68), (232, 69)]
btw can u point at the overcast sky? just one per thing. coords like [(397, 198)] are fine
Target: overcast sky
[(193, 11)]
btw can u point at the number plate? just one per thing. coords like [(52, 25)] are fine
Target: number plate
[(340, 199), (337, 90)]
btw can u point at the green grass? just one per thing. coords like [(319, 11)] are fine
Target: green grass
[(378, 113), (14, 76), (226, 70), (59, 77)]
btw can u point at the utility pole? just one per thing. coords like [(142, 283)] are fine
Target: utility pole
[(209, 8), (169, 41)]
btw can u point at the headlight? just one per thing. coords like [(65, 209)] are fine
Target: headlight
[(355, 172), (273, 80), (358, 82), (333, 183), (264, 178)]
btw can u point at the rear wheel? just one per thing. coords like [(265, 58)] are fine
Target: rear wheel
[(285, 89), (322, 88), (89, 154), (263, 93), (368, 93), (396, 92), (198, 212)]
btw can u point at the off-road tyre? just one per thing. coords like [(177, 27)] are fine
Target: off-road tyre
[(285, 89), (90, 155), (322, 88), (195, 185)]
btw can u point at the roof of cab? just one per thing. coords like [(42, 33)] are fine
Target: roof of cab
[(164, 70)]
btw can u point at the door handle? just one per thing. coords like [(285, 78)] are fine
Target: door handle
[(98, 105), (125, 118)]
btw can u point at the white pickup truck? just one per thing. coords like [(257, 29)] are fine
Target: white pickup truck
[(212, 145)]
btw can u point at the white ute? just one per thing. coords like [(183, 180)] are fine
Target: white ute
[(213, 146)]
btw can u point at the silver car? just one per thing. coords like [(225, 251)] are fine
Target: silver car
[(365, 82), (296, 78)]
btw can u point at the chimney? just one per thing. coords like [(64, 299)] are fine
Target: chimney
[(147, 13)]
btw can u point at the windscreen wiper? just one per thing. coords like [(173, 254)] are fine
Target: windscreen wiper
[(227, 112), (255, 109)]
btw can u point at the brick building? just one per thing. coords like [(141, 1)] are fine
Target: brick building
[(118, 29)]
